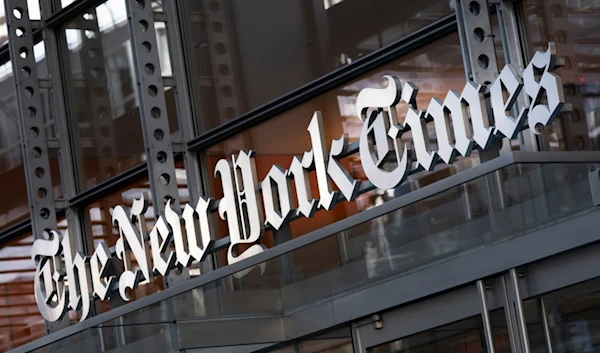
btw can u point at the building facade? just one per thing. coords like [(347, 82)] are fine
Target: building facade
[(336, 203)]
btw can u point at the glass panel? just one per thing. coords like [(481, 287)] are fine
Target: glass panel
[(435, 69), (12, 174), (16, 206), (465, 336), (500, 331), (102, 77), (573, 317), (20, 319), (419, 234), (34, 9), (573, 26), (247, 53)]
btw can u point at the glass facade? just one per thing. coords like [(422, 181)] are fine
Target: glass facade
[(572, 25), (246, 55), (119, 89)]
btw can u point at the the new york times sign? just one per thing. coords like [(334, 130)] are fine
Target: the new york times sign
[(461, 123)]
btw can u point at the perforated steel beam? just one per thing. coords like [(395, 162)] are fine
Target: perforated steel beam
[(479, 52), (188, 125), (221, 57), (153, 107), (185, 107), (31, 124), (94, 73), (574, 119), (71, 172), (510, 19), (153, 112)]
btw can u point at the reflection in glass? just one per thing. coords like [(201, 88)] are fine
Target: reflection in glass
[(573, 318), (575, 27), (464, 336), (20, 320), (435, 69), (102, 78), (102, 229), (285, 285), (249, 53), (15, 207), (418, 235)]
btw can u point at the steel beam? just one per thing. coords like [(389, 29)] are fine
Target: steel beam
[(186, 113), (221, 49), (477, 41), (71, 171), (32, 128), (511, 22), (499, 257), (559, 27), (94, 72), (153, 106), (153, 113)]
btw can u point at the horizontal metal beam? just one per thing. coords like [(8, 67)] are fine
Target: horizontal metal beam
[(14, 231), (22, 228), (71, 12), (106, 187)]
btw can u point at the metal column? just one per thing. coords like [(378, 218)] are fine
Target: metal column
[(31, 124), (511, 28), (94, 72), (217, 29), (153, 112), (189, 124), (573, 118), (180, 63), (68, 144), (153, 106), (481, 67)]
